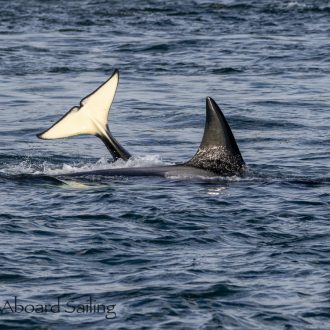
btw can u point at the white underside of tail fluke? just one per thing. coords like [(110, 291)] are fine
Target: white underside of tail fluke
[(91, 117)]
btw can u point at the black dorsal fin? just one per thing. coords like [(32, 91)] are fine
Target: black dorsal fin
[(218, 151)]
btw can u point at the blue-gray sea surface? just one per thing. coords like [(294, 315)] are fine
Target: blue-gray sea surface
[(247, 252)]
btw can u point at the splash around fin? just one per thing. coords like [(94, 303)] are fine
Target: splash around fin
[(218, 151), (91, 118)]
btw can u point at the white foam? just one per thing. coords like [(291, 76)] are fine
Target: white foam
[(295, 4), (24, 167), (300, 5), (216, 191)]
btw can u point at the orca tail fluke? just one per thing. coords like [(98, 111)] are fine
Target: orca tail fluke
[(91, 117), (218, 151)]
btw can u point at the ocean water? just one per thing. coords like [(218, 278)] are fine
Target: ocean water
[(246, 252)]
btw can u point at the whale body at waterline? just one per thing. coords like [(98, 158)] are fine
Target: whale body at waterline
[(217, 155)]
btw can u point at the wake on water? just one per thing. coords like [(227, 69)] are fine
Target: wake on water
[(34, 170)]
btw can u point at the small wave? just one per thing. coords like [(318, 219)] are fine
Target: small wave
[(297, 6), (227, 70), (60, 69), (238, 6), (305, 7)]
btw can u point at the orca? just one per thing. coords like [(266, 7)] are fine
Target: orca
[(217, 155)]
